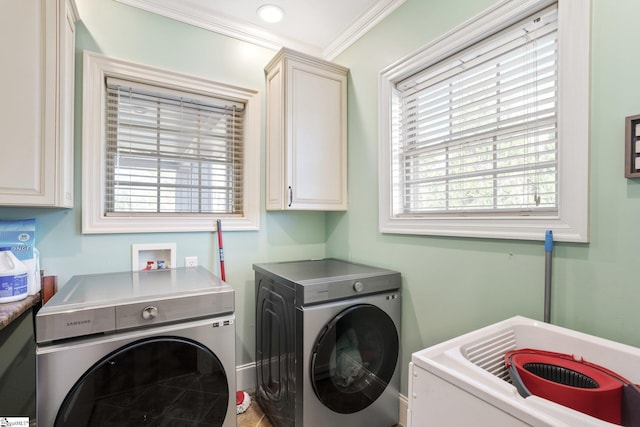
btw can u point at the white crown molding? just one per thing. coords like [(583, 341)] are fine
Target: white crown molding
[(260, 37), (360, 27), (217, 24)]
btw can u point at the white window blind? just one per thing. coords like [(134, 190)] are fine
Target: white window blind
[(170, 152), (478, 131)]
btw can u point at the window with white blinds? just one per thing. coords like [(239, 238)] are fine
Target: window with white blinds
[(170, 152), (484, 132), (477, 132), (165, 151)]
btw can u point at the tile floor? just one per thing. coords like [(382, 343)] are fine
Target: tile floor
[(253, 417)]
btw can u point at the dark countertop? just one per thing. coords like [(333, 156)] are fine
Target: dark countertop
[(9, 311)]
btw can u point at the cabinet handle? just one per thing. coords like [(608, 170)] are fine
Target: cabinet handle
[(290, 196)]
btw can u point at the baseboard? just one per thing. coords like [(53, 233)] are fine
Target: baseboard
[(404, 406), (246, 377), (246, 380)]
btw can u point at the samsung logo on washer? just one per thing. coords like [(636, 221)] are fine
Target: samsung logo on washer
[(77, 323)]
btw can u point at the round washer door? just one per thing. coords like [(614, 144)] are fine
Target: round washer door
[(156, 381), (354, 358)]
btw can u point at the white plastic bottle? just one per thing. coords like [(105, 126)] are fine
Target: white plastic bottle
[(33, 267), (14, 277)]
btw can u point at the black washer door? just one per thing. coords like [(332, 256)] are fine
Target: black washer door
[(354, 358), (158, 381)]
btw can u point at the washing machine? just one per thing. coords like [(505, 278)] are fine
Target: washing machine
[(327, 343), (137, 348)]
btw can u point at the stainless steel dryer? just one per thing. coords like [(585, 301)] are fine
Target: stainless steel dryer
[(137, 348), (327, 343)]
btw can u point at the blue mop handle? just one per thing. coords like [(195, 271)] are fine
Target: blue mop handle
[(548, 241), (548, 248)]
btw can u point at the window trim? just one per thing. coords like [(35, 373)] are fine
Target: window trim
[(571, 222), (96, 68)]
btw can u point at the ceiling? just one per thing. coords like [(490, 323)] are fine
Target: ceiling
[(318, 27)]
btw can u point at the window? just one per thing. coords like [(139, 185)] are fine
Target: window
[(484, 133), (171, 153), (174, 152)]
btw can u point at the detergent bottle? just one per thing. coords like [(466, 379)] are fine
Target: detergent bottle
[(14, 277)]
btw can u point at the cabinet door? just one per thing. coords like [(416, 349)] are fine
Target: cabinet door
[(26, 162), (18, 367), (36, 114), (316, 147), (276, 182)]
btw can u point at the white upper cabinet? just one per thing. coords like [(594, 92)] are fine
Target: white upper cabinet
[(36, 114), (306, 133)]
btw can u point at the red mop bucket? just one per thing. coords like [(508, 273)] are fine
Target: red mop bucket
[(577, 384)]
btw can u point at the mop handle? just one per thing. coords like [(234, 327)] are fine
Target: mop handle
[(548, 249), (221, 250)]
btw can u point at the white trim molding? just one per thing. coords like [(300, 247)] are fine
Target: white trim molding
[(246, 377), (181, 11), (571, 222), (404, 407), (372, 17)]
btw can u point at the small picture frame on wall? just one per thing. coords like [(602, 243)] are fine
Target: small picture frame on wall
[(632, 147)]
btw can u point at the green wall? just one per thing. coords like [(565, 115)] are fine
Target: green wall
[(454, 285), (124, 32), (450, 285)]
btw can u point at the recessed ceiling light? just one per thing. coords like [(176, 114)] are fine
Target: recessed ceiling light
[(270, 13)]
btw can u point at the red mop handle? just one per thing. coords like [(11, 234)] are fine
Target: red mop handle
[(221, 250)]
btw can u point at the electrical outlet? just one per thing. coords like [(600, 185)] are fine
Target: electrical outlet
[(191, 261)]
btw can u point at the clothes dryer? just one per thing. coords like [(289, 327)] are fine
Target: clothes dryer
[(327, 343), (137, 348)]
